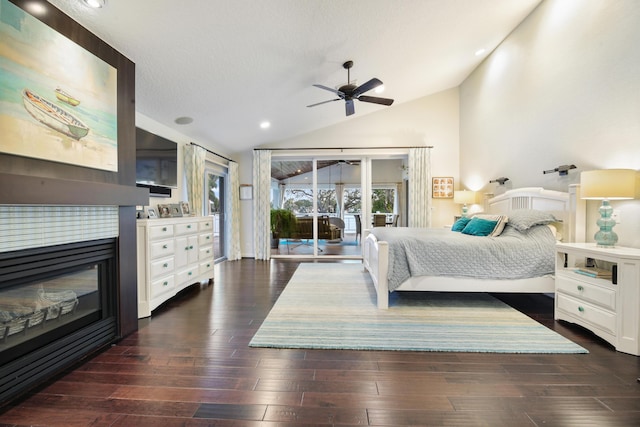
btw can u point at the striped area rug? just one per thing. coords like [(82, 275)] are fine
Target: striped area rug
[(332, 306)]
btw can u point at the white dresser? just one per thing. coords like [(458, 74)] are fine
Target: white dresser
[(173, 253), (610, 307)]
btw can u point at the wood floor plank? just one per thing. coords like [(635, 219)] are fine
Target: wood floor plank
[(190, 365)]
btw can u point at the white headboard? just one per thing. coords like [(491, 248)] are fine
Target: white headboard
[(557, 203), (538, 198)]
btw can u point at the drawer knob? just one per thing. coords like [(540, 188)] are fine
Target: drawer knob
[(164, 246), (208, 265), (580, 288), (165, 265), (165, 283), (190, 247), (208, 237), (188, 226), (581, 309), (190, 273), (164, 228)]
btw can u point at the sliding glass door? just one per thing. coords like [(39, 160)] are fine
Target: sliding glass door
[(215, 188), (322, 205)]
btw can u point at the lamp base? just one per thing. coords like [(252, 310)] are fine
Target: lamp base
[(606, 237), (464, 210)]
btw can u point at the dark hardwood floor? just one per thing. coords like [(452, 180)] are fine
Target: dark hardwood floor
[(189, 365)]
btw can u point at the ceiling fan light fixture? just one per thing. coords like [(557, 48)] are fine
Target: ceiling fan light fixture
[(350, 92), (265, 125)]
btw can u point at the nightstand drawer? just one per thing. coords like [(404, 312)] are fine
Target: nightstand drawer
[(585, 291), (602, 319)]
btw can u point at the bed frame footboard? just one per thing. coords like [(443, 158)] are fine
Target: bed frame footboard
[(375, 258)]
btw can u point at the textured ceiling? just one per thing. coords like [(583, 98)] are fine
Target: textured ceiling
[(231, 64)]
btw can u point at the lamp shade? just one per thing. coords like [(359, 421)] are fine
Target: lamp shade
[(464, 197), (611, 184)]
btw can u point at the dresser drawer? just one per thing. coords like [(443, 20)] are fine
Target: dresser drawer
[(162, 248), (186, 228), (206, 253), (163, 285), (187, 276), (586, 291), (206, 225), (589, 313), (206, 266), (161, 267), (160, 232), (205, 239)]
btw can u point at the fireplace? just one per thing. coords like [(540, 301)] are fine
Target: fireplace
[(57, 304)]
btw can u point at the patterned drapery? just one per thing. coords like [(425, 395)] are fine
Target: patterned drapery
[(194, 161), (232, 213), (419, 187), (262, 204)]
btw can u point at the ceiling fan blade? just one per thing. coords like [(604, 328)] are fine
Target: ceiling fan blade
[(337, 92), (323, 102), (349, 107), (365, 87), (376, 100)]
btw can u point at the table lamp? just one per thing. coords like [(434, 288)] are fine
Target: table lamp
[(463, 197), (605, 185)]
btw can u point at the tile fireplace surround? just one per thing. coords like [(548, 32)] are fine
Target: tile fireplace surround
[(25, 226)]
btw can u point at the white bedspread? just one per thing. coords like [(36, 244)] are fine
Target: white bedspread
[(442, 252)]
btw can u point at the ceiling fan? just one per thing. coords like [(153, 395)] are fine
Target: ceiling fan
[(349, 92)]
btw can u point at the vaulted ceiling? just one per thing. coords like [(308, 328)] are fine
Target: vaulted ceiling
[(232, 64)]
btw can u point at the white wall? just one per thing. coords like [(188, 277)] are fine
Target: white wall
[(432, 120), (563, 88)]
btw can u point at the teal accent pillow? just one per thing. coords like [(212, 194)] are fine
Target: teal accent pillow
[(460, 224), (479, 227)]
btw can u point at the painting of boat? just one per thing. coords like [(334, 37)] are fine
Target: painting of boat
[(53, 116), (66, 97)]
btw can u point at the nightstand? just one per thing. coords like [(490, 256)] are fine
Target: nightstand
[(609, 307)]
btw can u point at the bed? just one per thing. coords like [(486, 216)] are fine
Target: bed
[(386, 248)]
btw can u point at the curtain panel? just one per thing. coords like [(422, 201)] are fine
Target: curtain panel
[(232, 214), (194, 162), (419, 213), (262, 204)]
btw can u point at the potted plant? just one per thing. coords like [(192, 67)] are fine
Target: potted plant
[(283, 223)]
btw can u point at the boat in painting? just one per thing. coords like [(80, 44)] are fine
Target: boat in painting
[(66, 97), (53, 116)]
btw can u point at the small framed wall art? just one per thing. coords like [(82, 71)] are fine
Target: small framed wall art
[(442, 187)]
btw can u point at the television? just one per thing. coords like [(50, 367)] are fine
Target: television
[(156, 163)]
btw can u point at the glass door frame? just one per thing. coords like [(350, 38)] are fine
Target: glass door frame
[(365, 156)]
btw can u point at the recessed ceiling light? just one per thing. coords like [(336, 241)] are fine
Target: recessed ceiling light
[(96, 4), (480, 52), (265, 125), (183, 120)]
